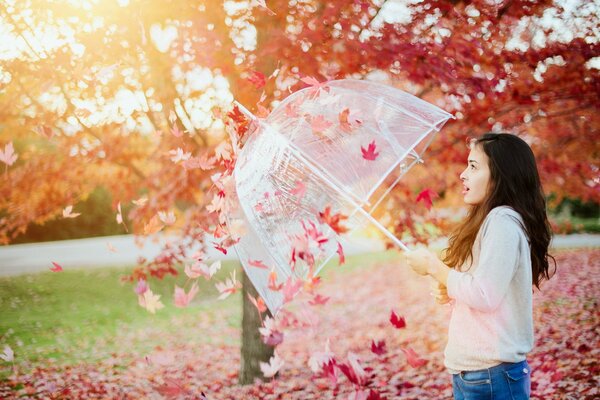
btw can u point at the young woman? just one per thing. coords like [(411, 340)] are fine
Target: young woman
[(494, 257)]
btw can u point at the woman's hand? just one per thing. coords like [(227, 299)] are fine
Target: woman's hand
[(439, 292), (424, 262), (420, 260)]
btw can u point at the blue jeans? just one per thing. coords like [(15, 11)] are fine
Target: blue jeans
[(506, 381)]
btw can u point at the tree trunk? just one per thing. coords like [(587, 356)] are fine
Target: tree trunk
[(254, 350)]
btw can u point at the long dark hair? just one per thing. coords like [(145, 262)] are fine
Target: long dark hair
[(514, 182)]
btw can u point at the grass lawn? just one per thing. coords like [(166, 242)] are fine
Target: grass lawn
[(78, 315)]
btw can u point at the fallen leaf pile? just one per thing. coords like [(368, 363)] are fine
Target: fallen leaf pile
[(379, 335)]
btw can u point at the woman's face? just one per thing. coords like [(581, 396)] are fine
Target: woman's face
[(476, 177)]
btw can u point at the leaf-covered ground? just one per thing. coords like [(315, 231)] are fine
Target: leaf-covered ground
[(198, 354)]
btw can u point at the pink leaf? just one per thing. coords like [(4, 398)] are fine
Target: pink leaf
[(412, 358), (56, 268)]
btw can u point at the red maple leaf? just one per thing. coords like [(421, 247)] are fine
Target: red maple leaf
[(378, 347), (333, 220), (427, 196), (398, 322), (56, 268), (370, 152)]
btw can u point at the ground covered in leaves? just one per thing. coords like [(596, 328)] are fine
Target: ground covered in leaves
[(197, 354)]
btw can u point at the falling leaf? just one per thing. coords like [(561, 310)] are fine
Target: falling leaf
[(273, 281), (172, 116), (269, 332), (45, 131), (318, 300), (353, 370), (370, 152), (230, 286), (7, 355), (67, 212), (56, 268), (83, 112), (179, 155), (119, 214), (427, 196), (412, 357), (141, 287), (183, 299), (340, 252), (257, 79), (199, 269), (150, 301), (140, 202), (378, 347), (262, 111), (175, 131), (111, 248), (259, 303), (290, 289), (8, 156), (320, 358), (220, 248), (333, 220), (257, 264), (167, 218), (398, 322), (153, 226), (272, 367)]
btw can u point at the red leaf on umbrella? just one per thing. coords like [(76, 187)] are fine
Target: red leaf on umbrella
[(412, 357), (398, 322), (291, 110), (257, 79), (427, 196), (378, 347), (345, 124), (370, 152), (257, 264), (56, 268), (333, 220)]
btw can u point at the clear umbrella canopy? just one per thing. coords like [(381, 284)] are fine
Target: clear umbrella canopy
[(317, 167)]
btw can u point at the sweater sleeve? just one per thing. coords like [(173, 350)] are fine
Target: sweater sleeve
[(485, 288)]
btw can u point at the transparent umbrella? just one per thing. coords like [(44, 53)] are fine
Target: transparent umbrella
[(317, 167)]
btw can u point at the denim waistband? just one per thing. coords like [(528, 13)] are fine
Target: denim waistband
[(503, 366)]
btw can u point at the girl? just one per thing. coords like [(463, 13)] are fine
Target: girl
[(494, 257)]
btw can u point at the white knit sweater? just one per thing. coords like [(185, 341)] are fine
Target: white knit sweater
[(492, 310)]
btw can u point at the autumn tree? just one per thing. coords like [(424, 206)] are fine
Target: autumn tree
[(136, 96)]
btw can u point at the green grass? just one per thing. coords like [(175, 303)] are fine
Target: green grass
[(78, 315)]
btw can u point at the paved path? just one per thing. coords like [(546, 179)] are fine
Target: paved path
[(94, 252)]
